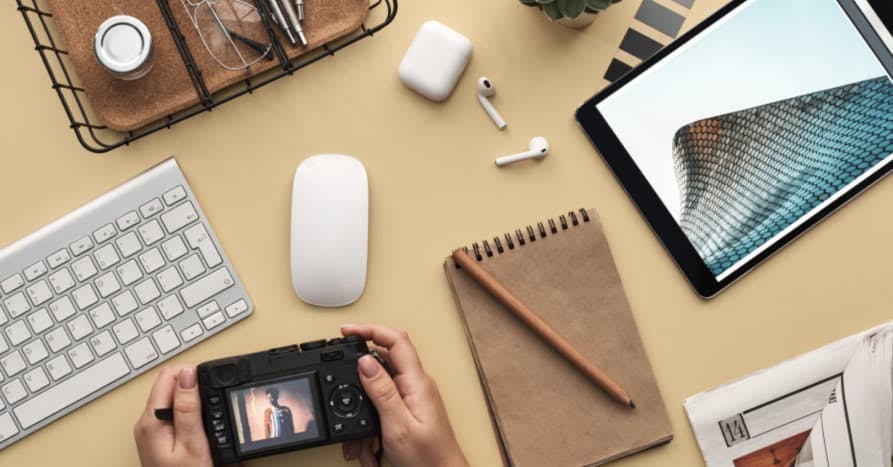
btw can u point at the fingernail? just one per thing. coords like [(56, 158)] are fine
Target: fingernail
[(187, 378), (348, 325), (368, 366)]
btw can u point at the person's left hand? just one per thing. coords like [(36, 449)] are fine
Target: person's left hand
[(183, 443)]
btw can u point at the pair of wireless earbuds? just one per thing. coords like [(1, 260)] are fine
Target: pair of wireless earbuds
[(538, 148)]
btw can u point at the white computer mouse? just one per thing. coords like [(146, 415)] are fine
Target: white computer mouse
[(329, 230)]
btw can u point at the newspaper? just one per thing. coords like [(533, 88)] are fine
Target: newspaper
[(832, 407)]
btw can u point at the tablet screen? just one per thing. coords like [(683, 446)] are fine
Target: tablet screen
[(758, 123)]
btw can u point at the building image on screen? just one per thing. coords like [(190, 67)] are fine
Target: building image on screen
[(745, 177), (752, 128), (274, 414)]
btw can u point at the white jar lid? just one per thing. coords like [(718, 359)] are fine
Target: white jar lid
[(122, 44)]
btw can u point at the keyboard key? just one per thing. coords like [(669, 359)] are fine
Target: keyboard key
[(198, 239), (35, 270), (80, 327), (206, 287), (148, 319), (236, 308), (124, 303), (152, 260), (84, 268), (62, 309), (81, 246), (179, 217), (170, 307), (166, 339), (146, 291), (40, 293), (57, 339), (214, 320), (3, 346), (58, 258), (12, 283), (175, 195), (17, 305), (151, 208), (13, 363), (129, 244), (3, 318), (106, 257), (35, 351), (107, 284), (7, 427), (125, 331), (80, 355), (17, 333), (102, 315), (140, 352), (128, 220), (192, 267), (36, 379), (151, 232), (71, 391), (62, 281), (169, 279), (102, 343), (85, 297), (14, 391), (40, 321), (58, 367), (174, 248), (191, 332), (207, 309), (104, 234), (129, 272)]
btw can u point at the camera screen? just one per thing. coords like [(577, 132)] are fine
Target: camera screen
[(274, 414)]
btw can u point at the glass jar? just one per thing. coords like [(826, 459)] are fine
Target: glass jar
[(123, 46)]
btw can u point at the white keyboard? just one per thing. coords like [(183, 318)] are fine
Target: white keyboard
[(104, 294)]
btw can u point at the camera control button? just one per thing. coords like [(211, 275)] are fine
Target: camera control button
[(336, 341), (353, 340), (216, 414), (313, 345), (329, 379), (346, 401), (333, 355), (214, 400), (338, 428), (363, 423), (221, 439)]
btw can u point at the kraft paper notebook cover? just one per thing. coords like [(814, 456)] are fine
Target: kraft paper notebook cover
[(545, 411)]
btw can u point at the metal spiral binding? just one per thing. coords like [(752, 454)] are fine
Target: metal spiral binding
[(484, 248)]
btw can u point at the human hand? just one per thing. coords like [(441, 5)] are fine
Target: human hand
[(415, 428), (183, 443)]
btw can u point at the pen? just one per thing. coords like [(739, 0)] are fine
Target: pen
[(280, 18), (294, 23), (541, 328), (299, 4)]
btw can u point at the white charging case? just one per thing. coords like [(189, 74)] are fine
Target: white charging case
[(435, 61)]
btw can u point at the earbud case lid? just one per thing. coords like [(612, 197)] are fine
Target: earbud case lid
[(435, 61)]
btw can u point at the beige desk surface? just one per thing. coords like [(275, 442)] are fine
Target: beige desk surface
[(434, 187)]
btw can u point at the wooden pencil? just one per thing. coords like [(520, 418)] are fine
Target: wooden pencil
[(541, 328)]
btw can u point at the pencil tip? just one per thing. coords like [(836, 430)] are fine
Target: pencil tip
[(632, 404)]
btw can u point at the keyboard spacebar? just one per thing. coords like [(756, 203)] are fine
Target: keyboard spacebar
[(72, 390)]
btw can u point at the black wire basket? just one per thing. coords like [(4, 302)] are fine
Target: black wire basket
[(98, 138)]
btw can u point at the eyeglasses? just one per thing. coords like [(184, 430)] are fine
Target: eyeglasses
[(231, 31)]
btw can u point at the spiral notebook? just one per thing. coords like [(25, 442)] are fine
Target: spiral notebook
[(545, 411)]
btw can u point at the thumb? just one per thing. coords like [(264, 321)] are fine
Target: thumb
[(381, 390), (188, 430)]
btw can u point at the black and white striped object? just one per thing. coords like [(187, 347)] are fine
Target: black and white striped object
[(654, 26)]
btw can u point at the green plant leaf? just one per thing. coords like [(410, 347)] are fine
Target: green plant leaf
[(552, 11), (572, 8), (598, 4)]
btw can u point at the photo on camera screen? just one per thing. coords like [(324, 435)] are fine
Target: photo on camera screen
[(270, 415)]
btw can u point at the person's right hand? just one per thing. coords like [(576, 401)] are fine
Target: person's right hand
[(415, 428)]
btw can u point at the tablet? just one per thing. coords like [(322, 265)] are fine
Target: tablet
[(751, 128)]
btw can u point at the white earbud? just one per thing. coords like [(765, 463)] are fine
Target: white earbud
[(539, 149), (486, 91)]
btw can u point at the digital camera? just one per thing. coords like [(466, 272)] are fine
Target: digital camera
[(285, 399)]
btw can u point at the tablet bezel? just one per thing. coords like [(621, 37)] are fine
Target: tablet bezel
[(650, 204)]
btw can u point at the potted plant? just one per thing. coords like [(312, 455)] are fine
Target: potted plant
[(572, 13)]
